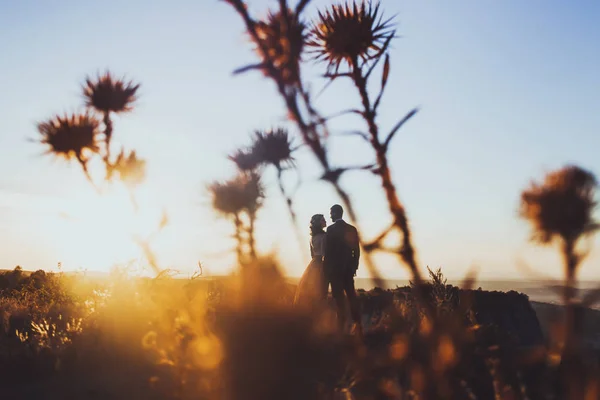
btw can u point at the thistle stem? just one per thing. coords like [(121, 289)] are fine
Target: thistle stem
[(406, 251), (238, 236), (571, 353), (251, 239), (570, 261), (86, 172), (290, 207), (133, 200), (108, 130)]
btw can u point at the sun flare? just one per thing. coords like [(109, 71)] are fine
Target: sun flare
[(100, 230)]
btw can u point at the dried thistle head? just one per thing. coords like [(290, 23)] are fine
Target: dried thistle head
[(349, 33), (273, 147), (562, 206), (253, 191), (242, 193), (70, 136), (131, 169), (282, 35), (245, 159), (108, 94)]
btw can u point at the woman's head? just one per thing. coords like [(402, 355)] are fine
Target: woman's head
[(317, 223)]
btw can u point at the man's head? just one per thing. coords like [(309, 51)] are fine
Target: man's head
[(336, 212)]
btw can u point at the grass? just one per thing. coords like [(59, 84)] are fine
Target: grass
[(239, 337)]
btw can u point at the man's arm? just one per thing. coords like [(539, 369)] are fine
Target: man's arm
[(327, 249), (356, 248)]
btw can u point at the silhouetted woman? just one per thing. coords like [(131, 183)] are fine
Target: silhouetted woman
[(312, 288)]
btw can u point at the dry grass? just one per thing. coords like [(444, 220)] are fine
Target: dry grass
[(241, 338)]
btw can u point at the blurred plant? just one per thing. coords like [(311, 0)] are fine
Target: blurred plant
[(79, 137), (49, 335), (180, 342), (107, 95), (246, 160), (560, 210), (349, 34), (235, 198), (271, 349), (72, 136), (441, 294), (272, 147), (76, 136), (282, 33), (356, 36), (131, 169)]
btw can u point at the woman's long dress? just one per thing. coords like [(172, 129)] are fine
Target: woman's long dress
[(312, 288)]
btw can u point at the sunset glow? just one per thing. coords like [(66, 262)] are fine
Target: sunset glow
[(99, 232), (494, 116)]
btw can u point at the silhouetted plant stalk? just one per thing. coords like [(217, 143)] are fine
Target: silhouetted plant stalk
[(272, 147), (72, 137), (560, 210), (78, 136), (234, 198), (279, 43), (109, 95), (356, 36), (250, 232), (239, 226)]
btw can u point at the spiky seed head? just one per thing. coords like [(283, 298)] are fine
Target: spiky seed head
[(561, 206), (347, 33), (242, 193), (108, 94), (283, 37), (273, 146), (70, 136), (245, 159)]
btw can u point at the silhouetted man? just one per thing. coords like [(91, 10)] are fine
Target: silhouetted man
[(342, 253)]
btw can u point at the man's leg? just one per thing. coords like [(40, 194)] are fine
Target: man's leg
[(353, 300), (337, 290)]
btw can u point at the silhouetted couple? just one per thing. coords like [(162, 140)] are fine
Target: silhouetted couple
[(335, 257)]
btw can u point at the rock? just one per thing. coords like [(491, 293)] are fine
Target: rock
[(510, 312)]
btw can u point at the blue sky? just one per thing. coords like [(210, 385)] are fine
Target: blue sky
[(508, 90)]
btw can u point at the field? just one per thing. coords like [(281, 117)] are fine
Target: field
[(117, 337)]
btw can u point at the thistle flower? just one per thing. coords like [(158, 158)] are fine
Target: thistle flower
[(70, 136), (283, 37), (245, 159), (253, 192), (108, 94), (348, 33), (244, 192), (562, 206), (273, 147), (131, 169)]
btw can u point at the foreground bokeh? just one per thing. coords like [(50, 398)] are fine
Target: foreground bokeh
[(68, 336)]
